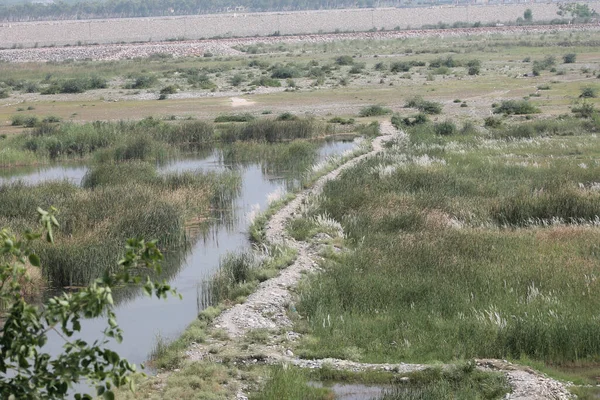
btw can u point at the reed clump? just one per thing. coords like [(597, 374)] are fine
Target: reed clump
[(149, 139), (463, 246), (115, 202), (271, 131)]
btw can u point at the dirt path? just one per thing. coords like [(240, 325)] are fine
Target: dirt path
[(267, 308)]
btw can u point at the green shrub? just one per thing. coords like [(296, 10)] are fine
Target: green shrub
[(445, 128), (448, 62), (171, 89), (370, 130), (286, 116), (400, 66), (267, 82), (344, 60), (235, 118), (426, 106), (585, 110), (588, 92), (474, 70), (28, 121), (492, 122), (142, 82), (517, 107), (398, 121), (237, 79), (285, 73), (342, 121), (569, 58), (374, 111)]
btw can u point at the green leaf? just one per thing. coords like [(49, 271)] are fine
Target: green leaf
[(109, 395), (34, 260), (49, 237)]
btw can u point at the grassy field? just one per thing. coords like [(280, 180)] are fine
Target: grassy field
[(336, 78), (480, 244)]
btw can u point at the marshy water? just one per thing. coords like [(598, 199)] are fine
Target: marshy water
[(143, 319)]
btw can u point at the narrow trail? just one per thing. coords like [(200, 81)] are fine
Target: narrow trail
[(267, 308)]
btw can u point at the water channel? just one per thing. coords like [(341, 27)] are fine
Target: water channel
[(142, 318)]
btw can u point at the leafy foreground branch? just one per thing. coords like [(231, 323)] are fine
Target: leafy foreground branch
[(26, 371)]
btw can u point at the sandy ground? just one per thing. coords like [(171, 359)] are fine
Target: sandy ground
[(239, 102)]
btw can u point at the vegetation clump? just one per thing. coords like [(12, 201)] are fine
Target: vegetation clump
[(75, 85), (374, 111), (516, 107), (425, 106), (235, 118)]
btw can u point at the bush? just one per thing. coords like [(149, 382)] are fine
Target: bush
[(285, 73), (400, 66), (344, 60), (370, 130), (171, 89), (28, 121), (267, 82), (492, 122), (448, 62), (237, 79), (235, 118), (429, 107), (373, 111), (569, 58), (143, 82), (342, 121), (445, 128), (545, 64), (588, 92), (517, 107), (286, 116), (76, 85), (380, 66), (398, 121), (585, 110)]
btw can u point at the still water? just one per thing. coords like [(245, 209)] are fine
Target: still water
[(143, 319)]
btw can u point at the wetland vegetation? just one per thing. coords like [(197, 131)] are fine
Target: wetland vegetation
[(474, 234)]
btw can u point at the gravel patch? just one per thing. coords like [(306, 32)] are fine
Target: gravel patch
[(226, 46)]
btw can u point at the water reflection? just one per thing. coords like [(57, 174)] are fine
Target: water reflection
[(143, 318)]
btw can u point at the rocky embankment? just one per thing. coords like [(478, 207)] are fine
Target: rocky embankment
[(228, 46)]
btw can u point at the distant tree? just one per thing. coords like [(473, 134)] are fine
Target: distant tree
[(528, 15), (576, 10)]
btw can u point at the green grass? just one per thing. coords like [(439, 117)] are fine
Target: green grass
[(171, 355), (290, 383), (460, 381), (442, 268), (240, 273)]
